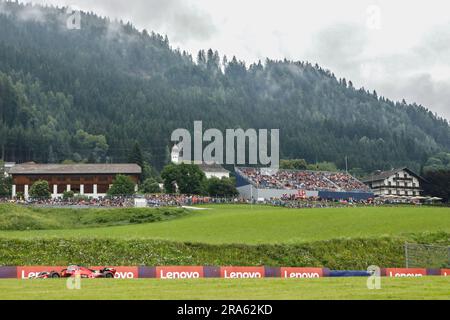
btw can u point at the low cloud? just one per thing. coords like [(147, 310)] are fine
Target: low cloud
[(340, 46), (408, 57), (422, 89), (31, 13), (345, 50), (181, 21)]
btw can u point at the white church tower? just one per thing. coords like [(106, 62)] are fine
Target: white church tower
[(175, 156)]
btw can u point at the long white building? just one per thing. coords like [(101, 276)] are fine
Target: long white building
[(92, 180)]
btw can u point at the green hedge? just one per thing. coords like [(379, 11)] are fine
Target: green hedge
[(334, 254)]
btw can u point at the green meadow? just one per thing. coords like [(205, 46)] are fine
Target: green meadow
[(242, 235), (231, 224)]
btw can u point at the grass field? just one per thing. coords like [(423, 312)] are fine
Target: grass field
[(339, 238), (226, 224), (213, 289), (16, 218)]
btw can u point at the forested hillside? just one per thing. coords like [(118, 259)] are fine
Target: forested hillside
[(89, 94)]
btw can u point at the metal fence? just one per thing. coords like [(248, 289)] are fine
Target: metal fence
[(427, 256)]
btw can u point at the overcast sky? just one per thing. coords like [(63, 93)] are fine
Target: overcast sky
[(401, 48)]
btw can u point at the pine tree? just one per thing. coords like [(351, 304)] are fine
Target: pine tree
[(136, 155)]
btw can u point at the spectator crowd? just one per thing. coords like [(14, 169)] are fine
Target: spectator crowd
[(307, 180), (153, 200)]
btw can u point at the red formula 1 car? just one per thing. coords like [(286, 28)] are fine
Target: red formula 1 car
[(84, 272)]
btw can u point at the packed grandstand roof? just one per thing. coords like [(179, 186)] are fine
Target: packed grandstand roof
[(298, 179)]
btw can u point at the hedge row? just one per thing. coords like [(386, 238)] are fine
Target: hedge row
[(334, 254)]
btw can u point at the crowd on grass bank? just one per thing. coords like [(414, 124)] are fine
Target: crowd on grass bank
[(167, 200), (154, 200), (291, 202), (120, 202)]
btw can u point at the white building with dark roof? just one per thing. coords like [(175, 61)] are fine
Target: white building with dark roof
[(210, 170), (214, 171), (401, 182)]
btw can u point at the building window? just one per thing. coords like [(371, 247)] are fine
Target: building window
[(89, 188), (102, 188), (62, 188)]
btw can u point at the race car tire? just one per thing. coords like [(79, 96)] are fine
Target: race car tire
[(55, 275), (109, 275)]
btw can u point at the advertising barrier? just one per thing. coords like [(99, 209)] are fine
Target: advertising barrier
[(348, 273), (404, 272), (242, 272), (28, 272), (301, 272), (179, 272), (123, 272), (229, 272), (8, 272)]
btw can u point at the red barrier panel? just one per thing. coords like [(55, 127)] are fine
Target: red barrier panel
[(179, 272), (445, 272), (122, 272), (194, 272), (301, 272), (404, 272), (27, 272), (242, 272)]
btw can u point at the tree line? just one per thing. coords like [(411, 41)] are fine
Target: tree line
[(90, 95)]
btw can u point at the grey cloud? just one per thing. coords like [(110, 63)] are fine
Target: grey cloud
[(28, 13), (425, 90), (31, 13), (197, 26), (396, 76), (339, 45), (435, 47), (414, 85), (2, 9), (179, 20)]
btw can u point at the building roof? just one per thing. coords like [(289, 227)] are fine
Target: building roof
[(212, 168), (386, 174), (32, 168)]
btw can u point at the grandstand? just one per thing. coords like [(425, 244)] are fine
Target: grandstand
[(266, 183)]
